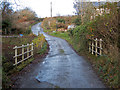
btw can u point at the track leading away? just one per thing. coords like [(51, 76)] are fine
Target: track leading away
[(61, 68)]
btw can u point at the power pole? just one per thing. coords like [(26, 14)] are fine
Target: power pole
[(51, 9)]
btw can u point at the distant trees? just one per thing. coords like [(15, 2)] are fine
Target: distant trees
[(16, 21), (84, 10), (26, 13), (7, 13), (77, 7)]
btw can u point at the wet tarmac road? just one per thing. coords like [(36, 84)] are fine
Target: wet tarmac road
[(62, 68)]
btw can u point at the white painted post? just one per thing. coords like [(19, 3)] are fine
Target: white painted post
[(96, 47), (22, 52), (32, 49), (100, 47), (92, 46), (15, 55), (27, 50)]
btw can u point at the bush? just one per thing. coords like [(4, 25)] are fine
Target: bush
[(7, 66), (38, 42), (77, 21), (43, 49), (79, 38), (61, 20), (5, 81)]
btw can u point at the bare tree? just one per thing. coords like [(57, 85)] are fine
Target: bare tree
[(84, 9)]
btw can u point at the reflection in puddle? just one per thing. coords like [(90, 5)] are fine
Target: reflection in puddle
[(44, 62)]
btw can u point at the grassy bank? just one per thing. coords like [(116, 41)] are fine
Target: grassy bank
[(7, 55)]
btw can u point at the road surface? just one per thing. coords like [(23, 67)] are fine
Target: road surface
[(62, 68)]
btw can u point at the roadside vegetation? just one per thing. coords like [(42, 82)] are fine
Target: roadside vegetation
[(103, 26), (7, 55), (16, 23)]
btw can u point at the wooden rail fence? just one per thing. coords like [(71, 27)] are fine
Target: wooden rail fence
[(95, 46), (29, 53)]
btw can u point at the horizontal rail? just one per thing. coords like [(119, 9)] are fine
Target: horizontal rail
[(23, 60), (22, 54), (22, 46), (28, 51), (96, 47), (95, 52)]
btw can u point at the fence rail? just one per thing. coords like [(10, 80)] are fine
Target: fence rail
[(29, 53), (95, 46)]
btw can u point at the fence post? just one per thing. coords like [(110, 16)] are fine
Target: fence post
[(22, 52), (32, 49), (89, 45), (100, 47), (27, 50), (92, 46), (96, 47), (16, 55)]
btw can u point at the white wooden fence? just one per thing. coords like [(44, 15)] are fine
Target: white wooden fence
[(29, 53), (95, 46)]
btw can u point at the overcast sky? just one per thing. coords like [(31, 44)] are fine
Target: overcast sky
[(42, 7)]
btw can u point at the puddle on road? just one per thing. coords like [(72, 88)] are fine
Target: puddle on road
[(44, 62)]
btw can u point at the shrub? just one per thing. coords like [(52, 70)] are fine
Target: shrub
[(79, 38), (77, 21), (38, 42), (61, 20)]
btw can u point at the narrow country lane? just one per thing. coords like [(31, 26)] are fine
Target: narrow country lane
[(62, 68)]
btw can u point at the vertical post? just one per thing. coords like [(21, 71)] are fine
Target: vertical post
[(15, 55), (96, 47), (92, 46), (32, 49), (22, 52), (100, 47), (51, 9), (89, 46), (27, 50)]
